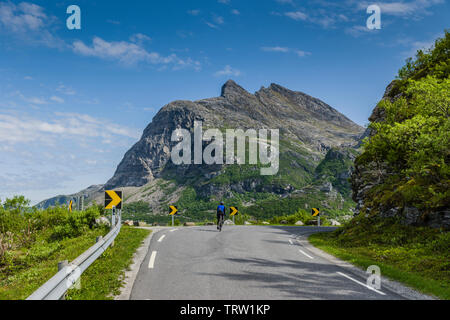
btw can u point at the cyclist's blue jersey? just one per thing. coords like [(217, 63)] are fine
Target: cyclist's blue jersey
[(221, 208)]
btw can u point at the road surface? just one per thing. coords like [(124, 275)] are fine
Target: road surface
[(244, 262)]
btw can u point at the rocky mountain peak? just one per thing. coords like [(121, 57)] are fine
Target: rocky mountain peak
[(231, 89)]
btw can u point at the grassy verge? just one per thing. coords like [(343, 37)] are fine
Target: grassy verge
[(417, 257), (104, 277), (20, 282)]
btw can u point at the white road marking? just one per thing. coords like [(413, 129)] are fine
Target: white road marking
[(290, 241), (173, 230), (305, 254), (162, 238), (151, 263), (363, 284)]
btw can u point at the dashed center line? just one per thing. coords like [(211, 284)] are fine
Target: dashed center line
[(306, 254), (151, 263), (290, 241), (162, 238), (363, 284), (173, 230)]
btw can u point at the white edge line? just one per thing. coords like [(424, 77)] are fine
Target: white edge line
[(151, 263), (305, 254), (162, 238), (173, 230), (290, 241), (359, 282)]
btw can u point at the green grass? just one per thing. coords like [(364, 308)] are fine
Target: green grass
[(417, 257), (19, 283), (103, 279)]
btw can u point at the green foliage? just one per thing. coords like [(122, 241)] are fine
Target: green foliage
[(28, 235), (434, 62), (300, 215), (414, 138)]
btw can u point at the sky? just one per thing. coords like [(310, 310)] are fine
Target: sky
[(72, 102)]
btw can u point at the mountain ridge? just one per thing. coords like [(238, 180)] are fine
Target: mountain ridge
[(309, 129)]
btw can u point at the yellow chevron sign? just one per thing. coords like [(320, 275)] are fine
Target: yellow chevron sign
[(113, 199), (70, 205), (173, 210), (233, 211), (315, 212)]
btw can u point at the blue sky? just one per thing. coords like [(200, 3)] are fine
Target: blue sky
[(72, 102)]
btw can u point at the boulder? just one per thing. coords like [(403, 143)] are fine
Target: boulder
[(228, 222), (335, 223), (102, 221), (299, 223), (284, 222), (247, 223), (209, 224), (189, 224), (128, 222), (265, 222)]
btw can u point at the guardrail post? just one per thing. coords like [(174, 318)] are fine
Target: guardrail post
[(100, 238), (62, 265)]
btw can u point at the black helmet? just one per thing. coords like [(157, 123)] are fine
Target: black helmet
[(221, 203)]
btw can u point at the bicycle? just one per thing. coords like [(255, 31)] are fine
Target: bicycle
[(221, 221)]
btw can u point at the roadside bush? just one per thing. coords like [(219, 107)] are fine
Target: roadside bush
[(25, 229)]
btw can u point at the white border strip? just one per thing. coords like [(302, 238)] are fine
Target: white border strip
[(364, 285)]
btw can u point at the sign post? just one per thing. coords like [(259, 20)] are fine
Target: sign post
[(233, 212), (172, 212), (113, 201), (316, 213)]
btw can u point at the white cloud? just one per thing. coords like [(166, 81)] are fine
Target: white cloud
[(194, 12), (228, 71), (211, 25), (403, 8), (359, 30), (224, 1), (66, 90), (128, 53), (218, 19), (275, 49), (28, 78), (22, 17), (235, 12), (28, 22), (57, 99), (22, 128), (302, 53), (140, 38), (298, 52), (32, 100), (296, 15)]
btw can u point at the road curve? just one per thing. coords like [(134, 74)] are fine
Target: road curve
[(244, 263)]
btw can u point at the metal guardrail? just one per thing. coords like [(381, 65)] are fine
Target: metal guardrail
[(56, 287)]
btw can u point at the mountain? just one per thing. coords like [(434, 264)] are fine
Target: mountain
[(317, 145)]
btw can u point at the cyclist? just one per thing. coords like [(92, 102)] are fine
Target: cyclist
[(220, 215)]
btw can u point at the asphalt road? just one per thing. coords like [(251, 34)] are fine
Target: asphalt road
[(244, 262)]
